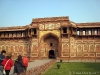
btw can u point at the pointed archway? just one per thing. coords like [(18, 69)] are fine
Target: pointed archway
[(50, 46)]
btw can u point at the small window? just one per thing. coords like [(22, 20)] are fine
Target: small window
[(64, 30), (50, 44), (96, 32), (35, 31), (90, 32), (16, 34), (22, 34), (84, 32)]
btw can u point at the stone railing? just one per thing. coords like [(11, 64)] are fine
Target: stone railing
[(39, 69)]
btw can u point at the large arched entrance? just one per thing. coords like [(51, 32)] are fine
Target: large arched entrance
[(49, 46)]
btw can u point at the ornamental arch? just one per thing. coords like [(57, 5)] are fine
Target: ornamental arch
[(49, 46)]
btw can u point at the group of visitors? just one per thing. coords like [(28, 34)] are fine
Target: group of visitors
[(20, 64)]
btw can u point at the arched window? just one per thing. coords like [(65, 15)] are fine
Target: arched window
[(51, 44), (96, 32), (22, 34), (84, 32), (90, 32)]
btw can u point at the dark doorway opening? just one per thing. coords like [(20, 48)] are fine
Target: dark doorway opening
[(51, 54)]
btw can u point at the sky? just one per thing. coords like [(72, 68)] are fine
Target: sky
[(21, 12)]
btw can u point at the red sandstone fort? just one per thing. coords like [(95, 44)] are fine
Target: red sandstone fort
[(54, 37)]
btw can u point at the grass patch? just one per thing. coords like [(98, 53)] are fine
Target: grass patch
[(74, 69)]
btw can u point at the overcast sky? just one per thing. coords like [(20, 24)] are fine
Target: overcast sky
[(21, 12)]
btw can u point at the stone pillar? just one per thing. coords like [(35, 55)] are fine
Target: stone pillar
[(28, 32), (98, 31), (61, 30), (87, 32), (2, 35), (93, 32), (31, 31), (68, 30), (81, 32), (23, 34)]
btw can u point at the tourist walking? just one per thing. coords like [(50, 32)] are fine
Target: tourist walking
[(25, 61), (7, 63), (2, 56), (19, 65)]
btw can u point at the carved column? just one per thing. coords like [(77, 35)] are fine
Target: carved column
[(87, 32), (28, 32), (31, 32), (2, 35), (93, 32), (68, 30), (98, 31), (81, 33)]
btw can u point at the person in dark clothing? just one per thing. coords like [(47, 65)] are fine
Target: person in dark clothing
[(19, 65), (2, 56)]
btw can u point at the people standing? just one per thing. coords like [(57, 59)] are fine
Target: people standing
[(19, 65), (2, 56), (25, 61), (7, 63)]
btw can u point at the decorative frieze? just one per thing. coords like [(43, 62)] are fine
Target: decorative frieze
[(49, 26)]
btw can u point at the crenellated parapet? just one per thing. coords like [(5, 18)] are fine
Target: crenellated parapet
[(13, 28), (88, 25), (50, 19), (64, 21)]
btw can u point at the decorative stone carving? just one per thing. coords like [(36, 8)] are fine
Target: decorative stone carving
[(65, 47), (91, 48), (98, 48), (49, 26), (34, 45), (41, 26)]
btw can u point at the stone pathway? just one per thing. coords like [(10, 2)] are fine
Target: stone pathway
[(34, 64)]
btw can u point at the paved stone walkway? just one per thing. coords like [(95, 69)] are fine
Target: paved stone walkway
[(34, 64)]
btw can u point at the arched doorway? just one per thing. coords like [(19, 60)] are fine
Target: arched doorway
[(49, 46), (51, 54)]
